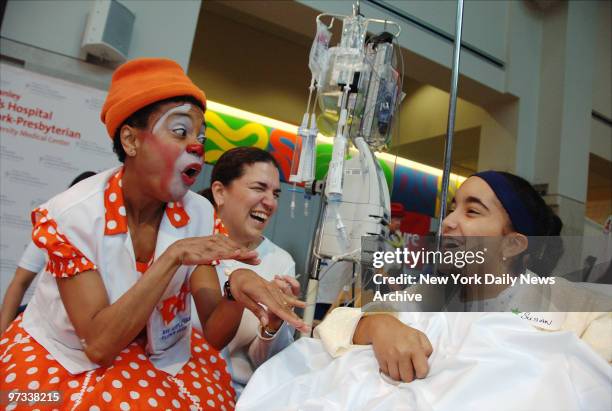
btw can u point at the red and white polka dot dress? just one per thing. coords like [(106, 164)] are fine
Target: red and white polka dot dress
[(132, 382)]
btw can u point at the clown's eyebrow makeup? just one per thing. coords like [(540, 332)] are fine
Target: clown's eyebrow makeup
[(184, 109)]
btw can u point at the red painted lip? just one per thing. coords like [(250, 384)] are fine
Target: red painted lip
[(187, 179)]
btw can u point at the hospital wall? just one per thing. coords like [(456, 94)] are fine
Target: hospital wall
[(601, 133), (510, 33), (278, 76), (548, 57), (539, 75), (46, 35), (485, 28)]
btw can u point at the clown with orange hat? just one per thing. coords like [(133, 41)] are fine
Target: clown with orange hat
[(109, 326)]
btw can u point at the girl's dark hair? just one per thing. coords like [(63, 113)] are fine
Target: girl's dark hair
[(140, 119), (545, 246), (230, 166)]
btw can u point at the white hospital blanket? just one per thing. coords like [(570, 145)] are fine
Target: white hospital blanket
[(481, 361)]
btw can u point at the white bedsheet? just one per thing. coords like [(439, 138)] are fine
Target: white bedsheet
[(481, 361)]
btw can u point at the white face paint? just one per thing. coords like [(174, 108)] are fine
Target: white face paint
[(177, 186), (184, 109), (187, 165)]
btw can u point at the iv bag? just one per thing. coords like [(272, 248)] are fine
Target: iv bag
[(353, 33), (318, 59)]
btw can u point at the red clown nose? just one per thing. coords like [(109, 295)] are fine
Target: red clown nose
[(197, 149)]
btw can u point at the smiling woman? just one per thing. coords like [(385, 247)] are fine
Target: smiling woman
[(244, 189), (245, 186), (127, 249)]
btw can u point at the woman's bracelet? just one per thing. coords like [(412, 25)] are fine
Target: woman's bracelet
[(227, 291)]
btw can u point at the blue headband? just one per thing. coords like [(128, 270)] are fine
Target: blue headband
[(521, 220)]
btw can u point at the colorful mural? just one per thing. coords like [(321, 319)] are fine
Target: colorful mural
[(282, 144), (416, 189), (226, 132)]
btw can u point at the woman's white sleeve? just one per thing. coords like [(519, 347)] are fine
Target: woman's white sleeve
[(598, 334), (336, 331), (261, 349), (33, 258)]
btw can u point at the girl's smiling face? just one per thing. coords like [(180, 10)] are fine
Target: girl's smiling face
[(476, 211), (477, 221)]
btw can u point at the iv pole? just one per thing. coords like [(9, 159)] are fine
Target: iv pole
[(452, 108)]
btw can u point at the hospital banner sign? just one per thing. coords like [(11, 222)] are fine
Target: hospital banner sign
[(50, 132)]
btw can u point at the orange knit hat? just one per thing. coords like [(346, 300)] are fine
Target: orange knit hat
[(141, 82)]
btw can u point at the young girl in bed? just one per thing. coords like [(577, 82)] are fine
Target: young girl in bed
[(461, 360), (508, 214)]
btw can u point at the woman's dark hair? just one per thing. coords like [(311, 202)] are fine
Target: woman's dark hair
[(81, 177), (545, 246), (140, 119), (230, 166)]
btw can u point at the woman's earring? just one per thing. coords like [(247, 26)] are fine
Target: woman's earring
[(504, 258)]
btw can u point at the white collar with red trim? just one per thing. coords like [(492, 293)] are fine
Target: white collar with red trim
[(115, 215)]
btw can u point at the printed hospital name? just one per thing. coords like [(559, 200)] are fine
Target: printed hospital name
[(27, 111), (32, 118)]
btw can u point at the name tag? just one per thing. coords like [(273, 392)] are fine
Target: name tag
[(550, 321)]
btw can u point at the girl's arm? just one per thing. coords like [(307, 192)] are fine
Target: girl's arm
[(14, 294)]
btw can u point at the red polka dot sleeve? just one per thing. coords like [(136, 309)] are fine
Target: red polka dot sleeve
[(65, 260), (218, 228)]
